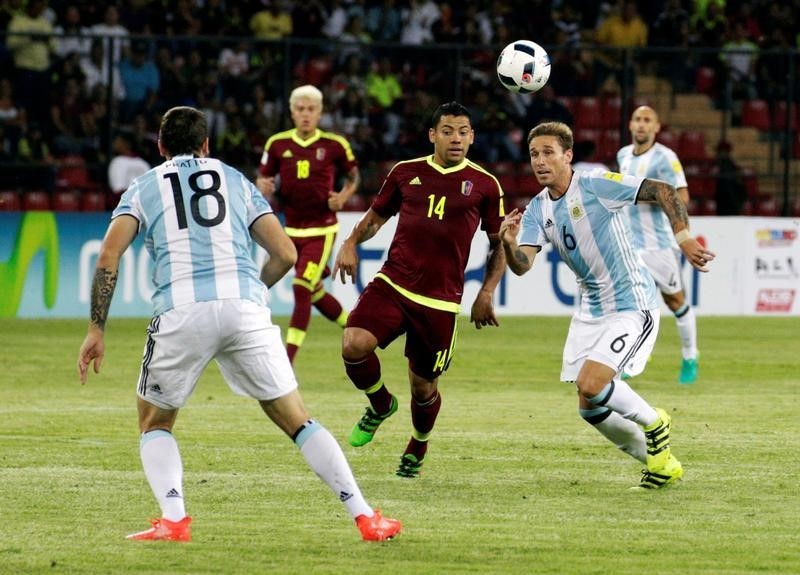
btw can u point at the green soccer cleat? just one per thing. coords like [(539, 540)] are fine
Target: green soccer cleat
[(688, 372), (657, 438), (410, 466), (363, 431), (671, 473)]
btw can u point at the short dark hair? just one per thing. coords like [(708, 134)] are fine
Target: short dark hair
[(183, 130), (449, 109)]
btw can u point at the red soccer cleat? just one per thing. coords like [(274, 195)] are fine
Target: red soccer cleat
[(166, 530), (377, 527)]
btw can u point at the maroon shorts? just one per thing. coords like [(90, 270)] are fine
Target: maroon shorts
[(313, 254), (430, 333)]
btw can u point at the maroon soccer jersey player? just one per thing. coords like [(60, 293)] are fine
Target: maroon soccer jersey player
[(308, 160), (440, 201)]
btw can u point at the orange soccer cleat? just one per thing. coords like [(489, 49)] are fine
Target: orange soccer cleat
[(377, 527), (166, 530)]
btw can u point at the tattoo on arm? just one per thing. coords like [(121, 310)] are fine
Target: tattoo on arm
[(521, 258), (103, 285), (668, 199)]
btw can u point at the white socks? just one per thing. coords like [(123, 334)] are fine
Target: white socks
[(163, 468), (687, 330), (327, 460), (624, 433), (618, 396)]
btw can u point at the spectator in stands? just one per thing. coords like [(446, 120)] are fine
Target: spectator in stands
[(671, 30), (96, 71), (336, 20), (233, 65), (708, 28), (567, 20), (494, 141), (31, 45), (545, 107), (141, 80), (583, 158), (773, 65), (618, 31), (115, 36), (383, 21), (730, 192), (739, 57), (38, 163), (273, 22), (744, 14), (386, 97), (418, 18), (126, 165), (12, 117), (72, 34), (448, 29)]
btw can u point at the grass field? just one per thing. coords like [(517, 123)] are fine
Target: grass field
[(515, 481)]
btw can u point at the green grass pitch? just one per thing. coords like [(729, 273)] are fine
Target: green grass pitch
[(514, 482)]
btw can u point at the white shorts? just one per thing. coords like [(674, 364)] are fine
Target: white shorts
[(665, 267), (622, 340), (238, 334)]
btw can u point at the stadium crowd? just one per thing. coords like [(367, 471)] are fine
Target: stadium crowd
[(74, 74)]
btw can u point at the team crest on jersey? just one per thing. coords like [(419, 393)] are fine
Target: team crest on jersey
[(466, 188), (575, 208), (320, 154)]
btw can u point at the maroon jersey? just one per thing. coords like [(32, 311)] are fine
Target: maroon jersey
[(307, 169), (438, 213)]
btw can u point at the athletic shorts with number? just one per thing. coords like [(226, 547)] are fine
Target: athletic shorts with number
[(430, 333), (665, 267), (238, 334), (313, 254), (622, 340)]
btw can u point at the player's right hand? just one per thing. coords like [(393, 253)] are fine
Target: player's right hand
[(509, 228), (346, 262), (93, 349), (266, 186)]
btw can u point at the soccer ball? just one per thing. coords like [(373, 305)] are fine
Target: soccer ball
[(523, 67)]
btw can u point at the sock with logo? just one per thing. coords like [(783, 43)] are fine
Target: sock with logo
[(327, 460), (163, 468)]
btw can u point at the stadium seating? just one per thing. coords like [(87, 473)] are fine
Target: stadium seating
[(780, 117), (9, 201), (692, 146), (701, 183), (67, 201), (755, 114), (612, 112), (668, 138), (35, 200), (588, 113), (705, 81), (93, 201)]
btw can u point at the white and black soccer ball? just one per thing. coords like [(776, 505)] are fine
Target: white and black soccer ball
[(523, 67)]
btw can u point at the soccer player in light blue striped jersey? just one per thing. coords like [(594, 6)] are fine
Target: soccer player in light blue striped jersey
[(198, 218), (651, 230), (616, 322)]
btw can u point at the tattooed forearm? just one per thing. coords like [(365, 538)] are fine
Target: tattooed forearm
[(668, 199), (103, 285)]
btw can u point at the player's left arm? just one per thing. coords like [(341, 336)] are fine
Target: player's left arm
[(666, 196), (483, 307), (121, 233), (352, 180)]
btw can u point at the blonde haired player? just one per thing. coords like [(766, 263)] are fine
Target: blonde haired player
[(306, 161)]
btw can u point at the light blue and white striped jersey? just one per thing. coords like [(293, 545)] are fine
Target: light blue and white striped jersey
[(588, 229), (649, 224), (195, 215)]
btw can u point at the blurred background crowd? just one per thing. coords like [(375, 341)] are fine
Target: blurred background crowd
[(84, 83)]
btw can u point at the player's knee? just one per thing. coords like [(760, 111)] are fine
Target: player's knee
[(589, 386), (356, 344)]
